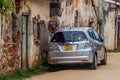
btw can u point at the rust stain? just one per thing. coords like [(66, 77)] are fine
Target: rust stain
[(76, 3), (73, 6)]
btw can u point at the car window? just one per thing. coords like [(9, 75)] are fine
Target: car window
[(58, 37), (98, 36), (91, 34), (79, 36), (69, 36)]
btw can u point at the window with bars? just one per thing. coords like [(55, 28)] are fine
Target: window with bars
[(55, 9), (36, 28)]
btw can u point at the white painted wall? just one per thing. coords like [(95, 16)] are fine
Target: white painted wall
[(111, 31)]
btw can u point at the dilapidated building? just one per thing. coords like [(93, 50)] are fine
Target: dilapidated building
[(24, 32), (113, 25)]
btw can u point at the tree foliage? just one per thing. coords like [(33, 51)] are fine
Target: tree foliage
[(6, 6)]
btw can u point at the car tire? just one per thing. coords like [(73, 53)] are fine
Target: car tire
[(93, 65), (104, 61), (51, 68)]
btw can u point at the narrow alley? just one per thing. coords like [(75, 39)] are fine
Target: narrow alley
[(110, 71)]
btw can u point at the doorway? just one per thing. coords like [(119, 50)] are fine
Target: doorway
[(118, 34), (24, 42), (0, 33)]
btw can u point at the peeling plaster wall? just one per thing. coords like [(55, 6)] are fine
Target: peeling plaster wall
[(10, 57), (40, 7), (39, 10), (36, 9), (86, 13)]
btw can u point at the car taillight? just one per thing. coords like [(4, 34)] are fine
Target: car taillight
[(53, 46)]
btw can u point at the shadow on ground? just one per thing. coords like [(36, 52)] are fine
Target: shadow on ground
[(70, 67)]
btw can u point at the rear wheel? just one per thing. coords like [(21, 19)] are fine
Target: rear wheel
[(93, 65), (53, 68)]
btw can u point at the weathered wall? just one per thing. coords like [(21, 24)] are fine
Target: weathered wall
[(111, 31), (85, 11), (39, 11), (86, 15), (38, 18), (10, 56), (39, 7)]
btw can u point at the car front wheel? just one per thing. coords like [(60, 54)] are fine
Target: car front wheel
[(104, 61), (94, 63)]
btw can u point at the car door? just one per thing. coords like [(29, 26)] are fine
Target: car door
[(95, 42), (99, 41)]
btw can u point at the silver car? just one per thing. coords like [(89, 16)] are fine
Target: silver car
[(77, 46)]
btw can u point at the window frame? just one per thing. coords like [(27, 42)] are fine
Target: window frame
[(98, 37), (36, 28), (94, 35), (91, 34), (55, 9)]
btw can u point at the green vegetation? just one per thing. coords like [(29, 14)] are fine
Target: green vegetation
[(6, 6), (21, 74), (116, 50)]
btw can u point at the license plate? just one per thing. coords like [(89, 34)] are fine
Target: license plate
[(68, 47)]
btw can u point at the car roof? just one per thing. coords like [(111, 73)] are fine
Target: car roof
[(74, 29)]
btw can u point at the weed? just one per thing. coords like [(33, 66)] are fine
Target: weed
[(116, 50), (20, 74)]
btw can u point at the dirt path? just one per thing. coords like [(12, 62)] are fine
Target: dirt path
[(111, 71)]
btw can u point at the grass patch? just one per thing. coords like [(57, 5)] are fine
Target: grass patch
[(21, 74), (116, 50)]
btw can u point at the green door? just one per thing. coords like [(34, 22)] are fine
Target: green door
[(0, 33), (24, 43)]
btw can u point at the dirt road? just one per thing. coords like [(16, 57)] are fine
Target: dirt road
[(111, 71)]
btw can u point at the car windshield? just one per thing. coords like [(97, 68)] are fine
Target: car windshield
[(69, 36)]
